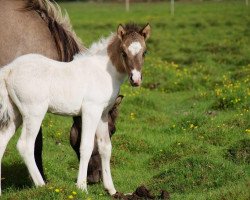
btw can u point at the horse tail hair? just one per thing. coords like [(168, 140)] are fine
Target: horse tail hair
[(4, 99), (67, 43)]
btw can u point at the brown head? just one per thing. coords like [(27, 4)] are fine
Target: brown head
[(128, 49)]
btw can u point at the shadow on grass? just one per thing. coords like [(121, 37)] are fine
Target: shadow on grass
[(15, 176)]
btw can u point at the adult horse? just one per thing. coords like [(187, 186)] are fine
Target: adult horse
[(37, 26)]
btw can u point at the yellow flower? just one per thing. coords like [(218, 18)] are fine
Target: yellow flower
[(74, 193), (57, 190), (248, 131), (70, 197), (191, 126)]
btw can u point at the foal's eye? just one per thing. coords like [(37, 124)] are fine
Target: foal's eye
[(124, 55), (144, 53)]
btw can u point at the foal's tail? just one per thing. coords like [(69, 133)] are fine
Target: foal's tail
[(4, 99)]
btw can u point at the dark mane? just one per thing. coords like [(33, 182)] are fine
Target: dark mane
[(67, 43), (132, 27)]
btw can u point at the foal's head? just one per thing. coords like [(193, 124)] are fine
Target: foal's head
[(132, 50)]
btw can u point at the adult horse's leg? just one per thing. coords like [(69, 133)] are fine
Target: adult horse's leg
[(38, 152), (75, 135)]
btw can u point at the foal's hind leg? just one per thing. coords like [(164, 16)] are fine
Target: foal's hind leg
[(5, 135), (26, 142)]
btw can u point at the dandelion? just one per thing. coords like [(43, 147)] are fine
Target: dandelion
[(248, 131), (132, 116), (57, 190), (74, 193), (70, 197)]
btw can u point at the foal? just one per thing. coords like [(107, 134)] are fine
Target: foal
[(32, 85)]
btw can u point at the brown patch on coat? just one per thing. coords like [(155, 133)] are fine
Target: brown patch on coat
[(119, 44)]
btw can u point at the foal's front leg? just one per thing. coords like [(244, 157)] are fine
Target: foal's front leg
[(91, 115), (104, 148)]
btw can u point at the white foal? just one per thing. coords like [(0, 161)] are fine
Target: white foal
[(32, 85)]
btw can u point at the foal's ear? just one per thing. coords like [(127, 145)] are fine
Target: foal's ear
[(118, 100), (120, 31), (146, 31)]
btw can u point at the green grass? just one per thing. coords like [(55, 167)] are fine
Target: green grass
[(186, 130)]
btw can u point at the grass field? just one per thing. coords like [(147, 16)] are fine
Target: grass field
[(186, 130)]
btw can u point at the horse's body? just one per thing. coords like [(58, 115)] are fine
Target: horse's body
[(95, 79), (23, 32), (37, 26), (47, 82)]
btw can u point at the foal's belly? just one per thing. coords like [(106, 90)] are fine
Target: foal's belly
[(65, 109), (66, 102)]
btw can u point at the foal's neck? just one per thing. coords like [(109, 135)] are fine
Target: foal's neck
[(109, 50), (113, 50)]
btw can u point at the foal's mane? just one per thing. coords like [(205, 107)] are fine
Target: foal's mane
[(67, 43), (132, 27)]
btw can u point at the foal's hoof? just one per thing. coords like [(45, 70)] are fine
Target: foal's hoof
[(83, 187)]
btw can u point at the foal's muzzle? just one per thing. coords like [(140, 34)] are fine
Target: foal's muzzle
[(133, 82), (135, 78)]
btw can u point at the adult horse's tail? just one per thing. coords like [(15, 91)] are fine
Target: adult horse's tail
[(4, 99), (67, 43)]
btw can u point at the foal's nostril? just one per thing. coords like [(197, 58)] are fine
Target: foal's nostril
[(130, 78)]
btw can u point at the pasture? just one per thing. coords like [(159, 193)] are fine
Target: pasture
[(186, 130)]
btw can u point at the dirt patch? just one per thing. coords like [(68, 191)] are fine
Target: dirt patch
[(141, 193), (239, 152)]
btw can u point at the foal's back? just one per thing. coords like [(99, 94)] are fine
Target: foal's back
[(57, 87)]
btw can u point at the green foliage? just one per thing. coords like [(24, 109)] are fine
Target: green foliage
[(185, 130), (195, 174), (240, 152)]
